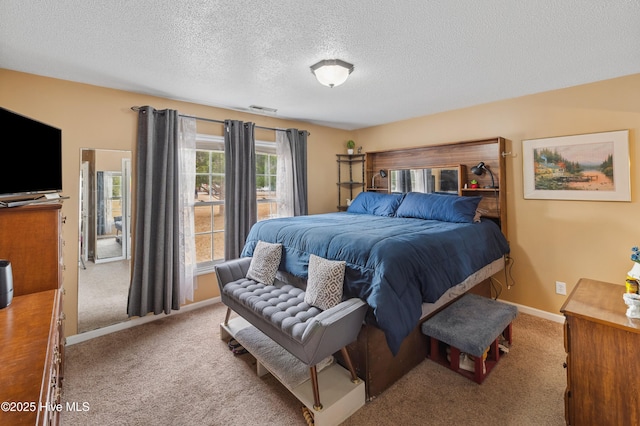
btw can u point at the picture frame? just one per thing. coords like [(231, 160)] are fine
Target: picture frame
[(591, 167)]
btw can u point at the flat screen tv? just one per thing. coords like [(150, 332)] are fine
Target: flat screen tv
[(32, 157)]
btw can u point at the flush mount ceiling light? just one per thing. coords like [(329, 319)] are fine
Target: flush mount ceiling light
[(332, 72)]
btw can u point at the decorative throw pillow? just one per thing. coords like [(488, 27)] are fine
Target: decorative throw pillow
[(324, 285), (265, 262)]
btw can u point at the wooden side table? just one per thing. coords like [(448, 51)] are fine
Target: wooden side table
[(603, 356)]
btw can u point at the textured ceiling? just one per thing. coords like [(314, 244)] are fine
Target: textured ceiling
[(412, 57)]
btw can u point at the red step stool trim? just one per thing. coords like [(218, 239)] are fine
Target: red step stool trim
[(479, 373)]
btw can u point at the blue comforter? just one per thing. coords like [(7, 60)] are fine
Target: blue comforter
[(394, 264)]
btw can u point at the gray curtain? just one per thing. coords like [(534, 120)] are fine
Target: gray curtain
[(155, 280), (298, 143), (240, 185), (101, 223)]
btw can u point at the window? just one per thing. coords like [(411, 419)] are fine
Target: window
[(209, 209), (209, 204), (266, 170)]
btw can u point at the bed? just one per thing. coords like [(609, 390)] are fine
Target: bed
[(401, 250), (401, 296)]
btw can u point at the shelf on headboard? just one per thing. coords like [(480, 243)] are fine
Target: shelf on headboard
[(467, 154)]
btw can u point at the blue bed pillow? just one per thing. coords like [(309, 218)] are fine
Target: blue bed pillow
[(446, 208), (375, 203)]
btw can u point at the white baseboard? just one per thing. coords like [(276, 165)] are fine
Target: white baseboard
[(537, 312), (92, 334), (78, 338)]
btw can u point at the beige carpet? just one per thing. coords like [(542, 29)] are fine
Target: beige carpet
[(103, 291), (108, 247), (177, 371)]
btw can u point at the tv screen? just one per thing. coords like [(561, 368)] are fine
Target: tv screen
[(32, 154)]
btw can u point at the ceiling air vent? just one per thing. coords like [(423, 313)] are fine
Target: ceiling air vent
[(263, 110)]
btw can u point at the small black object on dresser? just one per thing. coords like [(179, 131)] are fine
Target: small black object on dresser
[(6, 284)]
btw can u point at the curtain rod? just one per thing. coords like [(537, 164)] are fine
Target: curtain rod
[(211, 120)]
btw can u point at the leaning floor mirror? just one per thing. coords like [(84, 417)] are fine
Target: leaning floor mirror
[(105, 238)]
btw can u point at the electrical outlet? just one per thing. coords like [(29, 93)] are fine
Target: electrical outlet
[(561, 288)]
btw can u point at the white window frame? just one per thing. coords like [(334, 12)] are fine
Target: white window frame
[(216, 143), (268, 148)]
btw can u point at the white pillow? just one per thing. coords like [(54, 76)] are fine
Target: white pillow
[(265, 262), (324, 285)]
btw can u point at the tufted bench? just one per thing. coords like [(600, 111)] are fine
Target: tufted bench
[(471, 325), (279, 311)]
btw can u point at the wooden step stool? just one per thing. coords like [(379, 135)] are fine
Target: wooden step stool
[(472, 325)]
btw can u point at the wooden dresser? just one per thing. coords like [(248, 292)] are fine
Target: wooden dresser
[(30, 238), (31, 327), (603, 356)]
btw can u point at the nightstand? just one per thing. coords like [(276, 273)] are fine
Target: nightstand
[(603, 356)]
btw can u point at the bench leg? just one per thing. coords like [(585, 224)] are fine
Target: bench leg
[(347, 360), (508, 334), (478, 370), (227, 316), (313, 371), (495, 349), (434, 351), (316, 392), (454, 356)]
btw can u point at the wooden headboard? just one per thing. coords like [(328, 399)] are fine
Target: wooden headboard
[(466, 154)]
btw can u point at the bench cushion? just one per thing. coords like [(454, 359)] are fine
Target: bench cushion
[(471, 323), (280, 304)]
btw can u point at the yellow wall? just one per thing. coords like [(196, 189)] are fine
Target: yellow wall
[(111, 160), (550, 240), (95, 117)]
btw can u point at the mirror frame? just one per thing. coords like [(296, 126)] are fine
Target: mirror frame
[(94, 161), (90, 164)]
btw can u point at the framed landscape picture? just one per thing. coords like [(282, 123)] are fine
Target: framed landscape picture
[(593, 166)]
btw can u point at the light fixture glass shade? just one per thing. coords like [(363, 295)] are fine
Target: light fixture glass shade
[(332, 72)]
